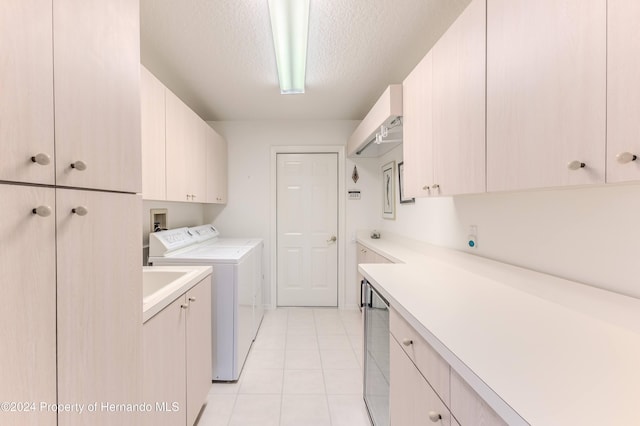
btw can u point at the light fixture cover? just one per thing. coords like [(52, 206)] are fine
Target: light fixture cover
[(289, 25)]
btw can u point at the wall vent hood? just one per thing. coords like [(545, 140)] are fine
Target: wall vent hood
[(381, 129)]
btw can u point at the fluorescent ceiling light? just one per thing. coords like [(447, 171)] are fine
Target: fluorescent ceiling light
[(289, 24)]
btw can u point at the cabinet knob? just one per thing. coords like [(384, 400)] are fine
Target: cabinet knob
[(80, 210), (43, 211), (434, 417), (435, 186), (184, 305), (42, 159), (332, 239), (192, 299), (425, 188), (626, 157), (79, 165), (407, 342), (575, 165)]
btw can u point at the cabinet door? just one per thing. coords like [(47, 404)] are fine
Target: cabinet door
[(623, 86), (164, 358), (99, 291), (468, 407), (185, 148), (26, 103), (198, 344), (153, 136), (459, 105), (418, 129), (546, 64), (216, 169), (411, 399), (96, 46), (28, 316)]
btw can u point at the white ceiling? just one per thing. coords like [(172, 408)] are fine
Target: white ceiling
[(217, 55)]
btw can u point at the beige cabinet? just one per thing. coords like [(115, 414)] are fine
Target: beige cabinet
[(185, 152), (623, 86), (459, 105), (98, 301), (152, 115), (177, 358), (28, 316), (444, 112), (164, 359), (26, 103), (546, 82), (216, 168), (417, 150), (97, 94), (198, 348), (469, 407), (412, 401)]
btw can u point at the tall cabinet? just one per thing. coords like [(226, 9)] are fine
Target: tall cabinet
[(70, 257)]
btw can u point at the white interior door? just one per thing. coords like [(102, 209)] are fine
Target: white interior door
[(307, 227)]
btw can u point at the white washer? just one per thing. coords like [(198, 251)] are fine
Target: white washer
[(236, 293)]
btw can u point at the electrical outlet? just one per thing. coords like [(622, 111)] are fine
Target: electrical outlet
[(472, 239)]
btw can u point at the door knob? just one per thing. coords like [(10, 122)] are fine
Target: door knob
[(42, 159), (332, 239), (407, 342)]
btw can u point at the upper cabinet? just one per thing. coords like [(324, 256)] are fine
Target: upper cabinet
[(459, 105), (216, 166), (96, 59), (623, 86), (183, 158), (444, 112), (381, 129), (26, 103), (546, 82), (185, 150), (417, 146), (153, 137)]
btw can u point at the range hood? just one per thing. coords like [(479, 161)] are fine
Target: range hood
[(381, 129)]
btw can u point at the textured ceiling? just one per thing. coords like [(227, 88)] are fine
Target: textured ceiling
[(217, 55)]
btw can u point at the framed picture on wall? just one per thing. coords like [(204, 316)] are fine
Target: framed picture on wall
[(403, 199), (388, 191)]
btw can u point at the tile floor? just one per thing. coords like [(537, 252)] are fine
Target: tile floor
[(304, 369)]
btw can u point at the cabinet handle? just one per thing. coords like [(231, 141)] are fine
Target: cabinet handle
[(626, 157), (434, 417), (80, 210), (332, 239), (193, 196), (188, 197), (42, 159), (43, 211), (575, 165), (425, 188), (407, 342), (79, 165), (184, 305), (435, 186), (192, 299)]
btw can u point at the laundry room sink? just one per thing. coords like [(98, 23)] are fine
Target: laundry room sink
[(161, 285)]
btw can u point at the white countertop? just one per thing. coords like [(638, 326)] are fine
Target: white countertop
[(181, 279), (539, 349)]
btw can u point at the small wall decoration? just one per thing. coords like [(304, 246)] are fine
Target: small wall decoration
[(355, 176), (403, 199), (388, 193)]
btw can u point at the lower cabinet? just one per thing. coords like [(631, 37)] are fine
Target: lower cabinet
[(177, 358), (411, 398), (423, 385)]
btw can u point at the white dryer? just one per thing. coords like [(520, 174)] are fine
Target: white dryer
[(236, 296)]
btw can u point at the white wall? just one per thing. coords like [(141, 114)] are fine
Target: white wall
[(249, 149), (588, 234)]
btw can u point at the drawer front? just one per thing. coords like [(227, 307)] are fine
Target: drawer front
[(468, 407), (432, 366)]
